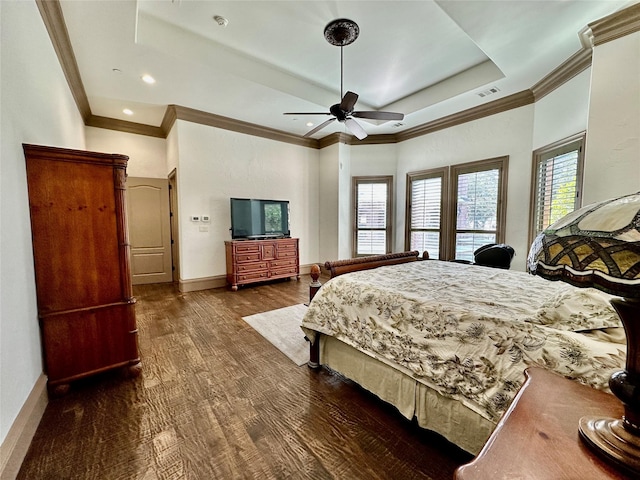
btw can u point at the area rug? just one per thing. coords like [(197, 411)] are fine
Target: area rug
[(282, 328)]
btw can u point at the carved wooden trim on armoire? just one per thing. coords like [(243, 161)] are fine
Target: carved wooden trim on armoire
[(81, 249)]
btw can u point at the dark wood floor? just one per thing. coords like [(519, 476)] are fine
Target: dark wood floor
[(217, 401)]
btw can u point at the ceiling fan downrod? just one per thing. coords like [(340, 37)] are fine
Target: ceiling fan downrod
[(341, 32)]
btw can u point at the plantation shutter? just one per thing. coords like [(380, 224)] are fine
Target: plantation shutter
[(372, 216), (425, 214), (556, 189), (477, 211)]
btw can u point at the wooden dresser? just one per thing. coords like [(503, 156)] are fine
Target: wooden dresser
[(250, 261), (81, 256)]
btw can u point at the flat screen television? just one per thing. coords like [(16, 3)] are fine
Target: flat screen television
[(255, 219)]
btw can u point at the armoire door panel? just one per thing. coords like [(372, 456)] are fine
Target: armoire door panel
[(78, 219)]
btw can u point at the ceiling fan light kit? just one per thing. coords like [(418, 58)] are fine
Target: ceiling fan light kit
[(342, 32)]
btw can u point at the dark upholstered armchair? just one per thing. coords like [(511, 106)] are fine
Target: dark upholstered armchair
[(493, 255)]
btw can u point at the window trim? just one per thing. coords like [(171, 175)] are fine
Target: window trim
[(548, 151), (357, 180), (449, 200)]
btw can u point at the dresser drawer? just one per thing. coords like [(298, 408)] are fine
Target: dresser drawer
[(247, 257), (284, 271), (283, 263), (249, 276), (252, 266), (287, 253), (246, 248), (287, 245)]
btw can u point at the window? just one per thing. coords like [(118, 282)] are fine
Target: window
[(454, 210), (557, 182), (426, 192), (372, 216), (478, 213)]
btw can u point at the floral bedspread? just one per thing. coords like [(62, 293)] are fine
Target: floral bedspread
[(469, 331)]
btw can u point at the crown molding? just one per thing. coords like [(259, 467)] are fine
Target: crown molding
[(334, 138), (226, 123), (576, 64), (170, 117), (497, 106), (51, 13), (616, 25), (124, 126)]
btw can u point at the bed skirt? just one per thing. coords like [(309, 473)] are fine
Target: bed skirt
[(451, 419)]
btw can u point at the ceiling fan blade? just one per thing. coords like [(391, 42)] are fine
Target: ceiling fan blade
[(348, 101), (355, 128), (319, 127), (307, 113), (375, 115)]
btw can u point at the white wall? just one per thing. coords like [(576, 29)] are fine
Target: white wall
[(345, 228), (215, 165), (612, 163), (329, 198), (374, 159), (147, 155), (508, 133), (563, 112), (36, 106)]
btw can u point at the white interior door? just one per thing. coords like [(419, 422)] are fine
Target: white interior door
[(149, 230)]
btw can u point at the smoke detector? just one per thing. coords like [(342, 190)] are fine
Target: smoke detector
[(223, 22)]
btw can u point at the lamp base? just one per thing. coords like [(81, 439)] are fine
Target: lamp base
[(607, 437)]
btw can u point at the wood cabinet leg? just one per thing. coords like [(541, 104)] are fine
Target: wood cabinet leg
[(134, 371), (59, 389)]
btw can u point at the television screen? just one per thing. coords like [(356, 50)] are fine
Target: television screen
[(252, 218)]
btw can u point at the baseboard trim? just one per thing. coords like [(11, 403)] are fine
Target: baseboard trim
[(16, 443), (206, 283), (195, 284)]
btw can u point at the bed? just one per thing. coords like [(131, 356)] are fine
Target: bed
[(448, 343)]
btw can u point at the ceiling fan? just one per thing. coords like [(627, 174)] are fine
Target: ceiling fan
[(343, 32)]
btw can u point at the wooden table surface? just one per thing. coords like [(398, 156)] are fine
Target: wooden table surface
[(538, 436)]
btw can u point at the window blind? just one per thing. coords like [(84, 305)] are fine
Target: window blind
[(477, 211), (371, 218), (426, 199), (556, 192)]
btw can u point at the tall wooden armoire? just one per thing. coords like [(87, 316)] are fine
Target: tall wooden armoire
[(81, 254)]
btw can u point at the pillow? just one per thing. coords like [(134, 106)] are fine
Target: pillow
[(577, 309)]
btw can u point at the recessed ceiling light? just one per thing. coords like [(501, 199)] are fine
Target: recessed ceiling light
[(116, 70), (310, 124), (127, 111), (146, 78)]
